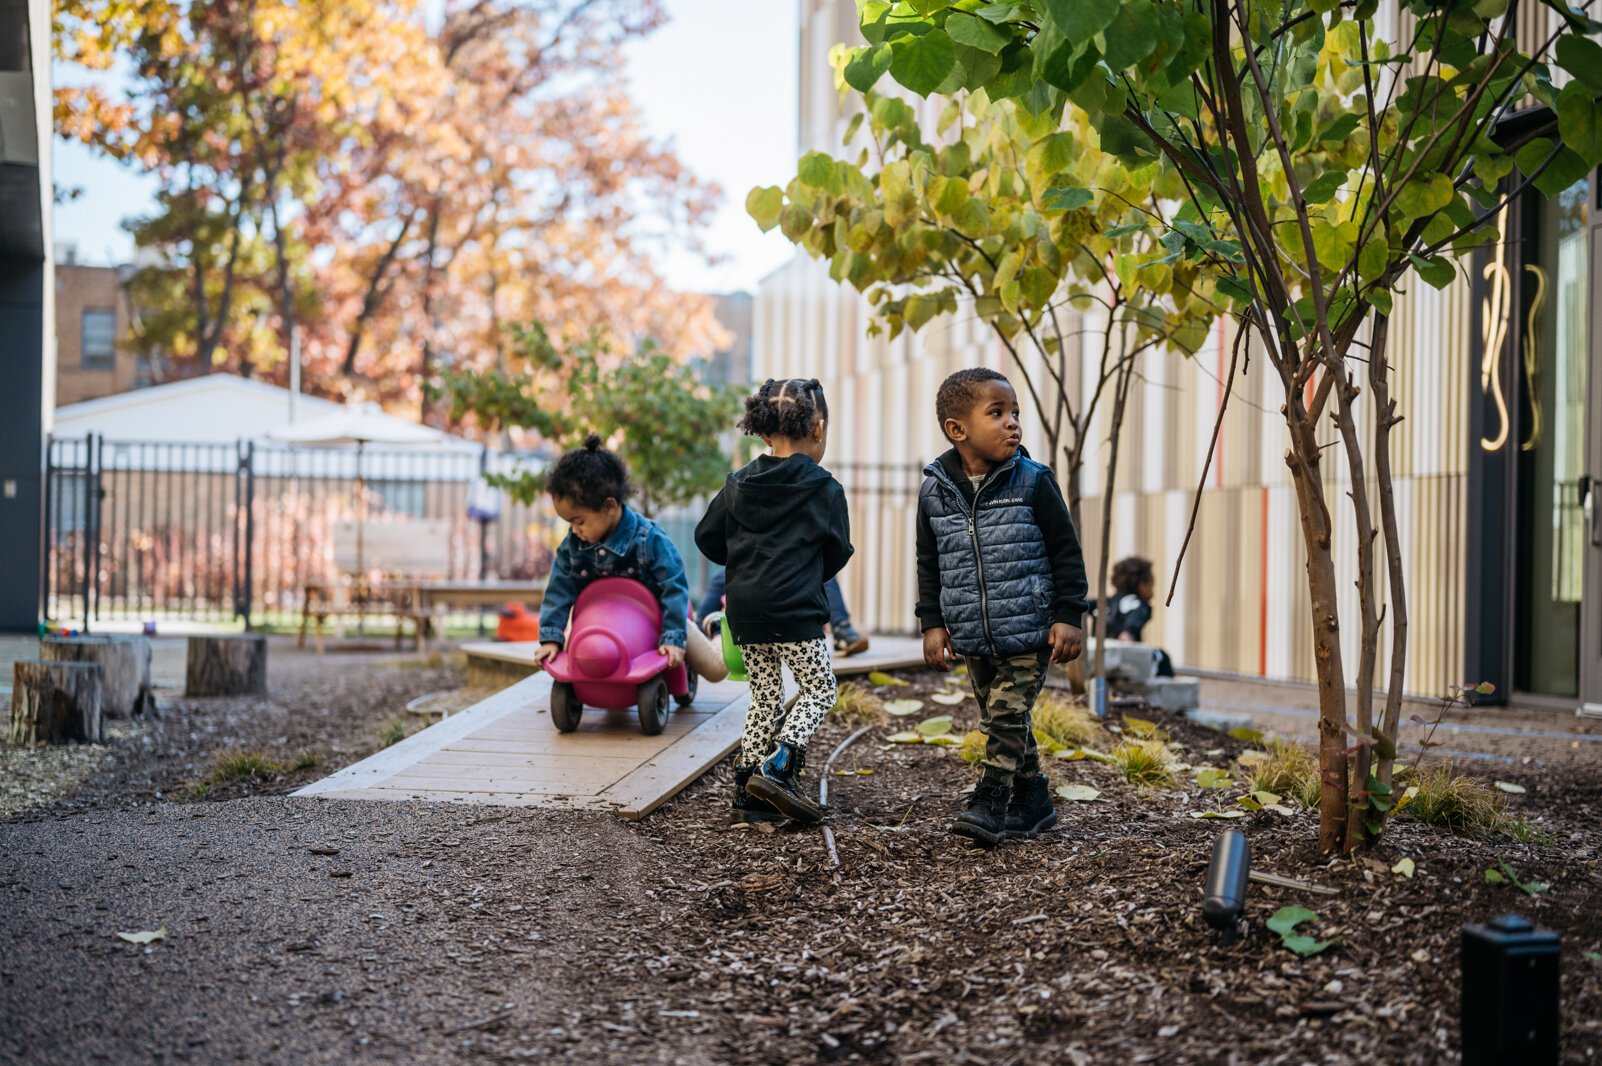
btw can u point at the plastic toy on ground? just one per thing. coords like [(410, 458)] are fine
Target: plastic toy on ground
[(517, 624), (611, 659)]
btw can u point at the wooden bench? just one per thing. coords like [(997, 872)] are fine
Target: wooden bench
[(405, 553), (414, 557)]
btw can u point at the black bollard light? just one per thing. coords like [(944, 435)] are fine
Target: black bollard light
[(1510, 993), (1225, 896)]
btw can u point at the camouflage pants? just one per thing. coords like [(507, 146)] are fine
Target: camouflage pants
[(1006, 689)]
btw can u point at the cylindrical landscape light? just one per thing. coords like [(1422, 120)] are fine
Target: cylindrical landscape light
[(1225, 896)]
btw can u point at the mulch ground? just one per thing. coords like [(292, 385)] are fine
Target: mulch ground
[(314, 931)]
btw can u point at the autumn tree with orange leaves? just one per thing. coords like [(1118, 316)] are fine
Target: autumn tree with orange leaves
[(391, 183)]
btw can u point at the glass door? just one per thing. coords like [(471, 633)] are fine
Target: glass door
[(1552, 538)]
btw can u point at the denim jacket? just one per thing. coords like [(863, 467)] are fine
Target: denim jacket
[(636, 549)]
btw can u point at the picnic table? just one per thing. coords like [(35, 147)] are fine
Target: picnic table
[(409, 602)]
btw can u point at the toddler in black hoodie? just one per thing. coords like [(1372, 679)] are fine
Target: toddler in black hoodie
[(779, 526)]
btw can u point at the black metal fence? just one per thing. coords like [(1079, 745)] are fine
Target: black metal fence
[(141, 530), (150, 531)]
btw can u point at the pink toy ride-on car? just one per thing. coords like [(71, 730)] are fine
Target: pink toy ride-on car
[(610, 659)]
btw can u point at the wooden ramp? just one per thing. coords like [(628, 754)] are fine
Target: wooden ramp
[(491, 665), (506, 752)]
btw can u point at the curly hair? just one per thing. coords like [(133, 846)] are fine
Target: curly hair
[(590, 475), (1131, 573), (959, 392), (789, 407)]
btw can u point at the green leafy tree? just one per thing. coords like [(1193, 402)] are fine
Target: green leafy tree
[(1007, 216), (1342, 165), (666, 423)]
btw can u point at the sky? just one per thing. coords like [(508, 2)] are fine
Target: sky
[(718, 81)]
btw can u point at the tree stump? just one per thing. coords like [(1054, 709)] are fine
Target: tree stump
[(55, 702), (124, 669), (234, 665)]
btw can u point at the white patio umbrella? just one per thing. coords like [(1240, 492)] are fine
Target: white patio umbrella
[(359, 424)]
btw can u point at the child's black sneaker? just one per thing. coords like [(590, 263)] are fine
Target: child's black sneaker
[(746, 808), (985, 820), (1031, 811), (775, 781)]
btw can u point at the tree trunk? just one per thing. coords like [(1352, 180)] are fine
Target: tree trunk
[(55, 702), (1385, 419), (1126, 372), (125, 688), (1325, 608), (227, 666)]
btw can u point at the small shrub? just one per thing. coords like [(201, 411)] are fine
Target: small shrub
[(392, 732), (1449, 800), (1144, 763), (1284, 768), (856, 705), (243, 766), (1066, 723), (972, 749)]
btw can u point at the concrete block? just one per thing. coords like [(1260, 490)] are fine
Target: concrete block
[(1177, 694), (1126, 662)]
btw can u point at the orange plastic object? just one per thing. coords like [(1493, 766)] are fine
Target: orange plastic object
[(517, 624)]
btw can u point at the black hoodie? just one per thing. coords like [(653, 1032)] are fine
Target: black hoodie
[(780, 527)]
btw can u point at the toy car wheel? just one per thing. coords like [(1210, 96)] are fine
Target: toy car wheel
[(692, 680), (566, 710), (654, 706)]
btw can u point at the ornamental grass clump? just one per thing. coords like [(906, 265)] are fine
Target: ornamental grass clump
[(1066, 723), (857, 705), (1284, 768), (1439, 795), (972, 748), (243, 766), (1144, 763)]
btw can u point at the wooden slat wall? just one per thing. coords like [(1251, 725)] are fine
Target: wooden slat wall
[(1240, 604)]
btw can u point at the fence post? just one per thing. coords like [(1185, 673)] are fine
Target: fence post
[(245, 485), (91, 529), (50, 529)]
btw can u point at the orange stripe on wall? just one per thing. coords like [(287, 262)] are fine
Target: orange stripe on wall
[(1262, 584)]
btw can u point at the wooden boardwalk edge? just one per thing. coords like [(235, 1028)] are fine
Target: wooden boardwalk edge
[(671, 771)]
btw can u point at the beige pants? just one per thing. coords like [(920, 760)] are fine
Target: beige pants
[(704, 657)]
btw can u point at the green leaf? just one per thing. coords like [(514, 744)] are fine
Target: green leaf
[(764, 205), (902, 708), (880, 678), (977, 33), (816, 169), (934, 727), (1286, 919), (1341, 128), (1079, 793), (1404, 867), (1131, 37), (1240, 292), (1510, 788), (1580, 122), (1581, 57), (867, 66), (145, 936), (1323, 188), (922, 63), (1381, 299), (1213, 777), (1305, 946), (1217, 814), (1424, 195), (1079, 20), (905, 737), (1058, 199), (1494, 878), (1436, 270)]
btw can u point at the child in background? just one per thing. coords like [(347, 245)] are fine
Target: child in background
[(1001, 582), (1129, 608), (590, 488), (779, 526)]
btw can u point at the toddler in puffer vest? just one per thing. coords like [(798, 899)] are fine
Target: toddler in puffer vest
[(1001, 582)]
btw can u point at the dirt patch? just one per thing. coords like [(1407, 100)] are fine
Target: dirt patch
[(315, 931)]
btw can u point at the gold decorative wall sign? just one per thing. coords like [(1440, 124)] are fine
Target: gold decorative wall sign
[(1493, 333)]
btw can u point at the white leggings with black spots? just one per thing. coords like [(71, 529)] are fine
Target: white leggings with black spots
[(765, 719)]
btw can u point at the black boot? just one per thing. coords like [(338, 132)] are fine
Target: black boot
[(775, 781), (1031, 811), (985, 820), (746, 808)]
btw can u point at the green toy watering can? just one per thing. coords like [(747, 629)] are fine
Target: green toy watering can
[(731, 651)]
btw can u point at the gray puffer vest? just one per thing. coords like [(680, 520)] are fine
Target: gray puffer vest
[(995, 580)]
